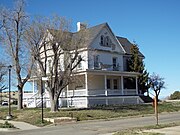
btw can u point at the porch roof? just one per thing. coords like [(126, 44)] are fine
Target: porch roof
[(106, 72), (98, 72)]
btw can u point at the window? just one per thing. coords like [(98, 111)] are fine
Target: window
[(107, 41), (96, 61), (108, 84), (129, 83), (80, 61), (115, 84), (114, 63), (49, 64), (102, 40)]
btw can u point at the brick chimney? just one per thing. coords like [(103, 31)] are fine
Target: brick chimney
[(81, 26)]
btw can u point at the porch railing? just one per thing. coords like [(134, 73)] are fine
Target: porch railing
[(129, 92), (98, 92)]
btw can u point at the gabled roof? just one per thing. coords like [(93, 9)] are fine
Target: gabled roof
[(127, 45), (92, 32), (95, 30)]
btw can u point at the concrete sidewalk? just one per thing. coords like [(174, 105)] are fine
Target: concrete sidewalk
[(21, 125), (167, 131)]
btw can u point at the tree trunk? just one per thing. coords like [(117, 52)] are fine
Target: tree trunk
[(54, 103), (156, 108), (20, 98)]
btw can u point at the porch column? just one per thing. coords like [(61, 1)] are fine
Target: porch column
[(105, 87), (67, 90), (105, 84), (136, 85), (33, 85), (122, 85), (67, 95), (86, 83)]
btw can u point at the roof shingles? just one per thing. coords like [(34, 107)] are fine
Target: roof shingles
[(95, 30), (127, 45)]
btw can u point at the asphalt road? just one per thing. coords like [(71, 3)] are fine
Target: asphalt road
[(98, 127)]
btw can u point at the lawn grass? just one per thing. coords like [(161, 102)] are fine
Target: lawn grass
[(33, 116)]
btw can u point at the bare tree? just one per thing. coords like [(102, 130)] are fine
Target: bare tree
[(56, 51), (156, 83), (2, 77), (2, 80), (13, 24)]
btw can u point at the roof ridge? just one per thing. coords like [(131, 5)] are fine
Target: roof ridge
[(105, 23), (121, 37)]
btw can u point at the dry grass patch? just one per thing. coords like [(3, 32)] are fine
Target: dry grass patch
[(33, 115)]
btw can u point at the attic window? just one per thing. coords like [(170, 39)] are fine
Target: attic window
[(105, 41), (102, 40)]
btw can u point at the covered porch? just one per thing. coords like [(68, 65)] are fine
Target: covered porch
[(91, 87), (103, 83)]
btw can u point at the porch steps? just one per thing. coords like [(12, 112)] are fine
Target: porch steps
[(146, 99)]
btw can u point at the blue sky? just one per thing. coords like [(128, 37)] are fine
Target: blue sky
[(153, 24)]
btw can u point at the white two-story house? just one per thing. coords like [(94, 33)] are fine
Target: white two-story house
[(103, 74)]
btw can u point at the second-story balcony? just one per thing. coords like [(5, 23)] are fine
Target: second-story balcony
[(109, 67)]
